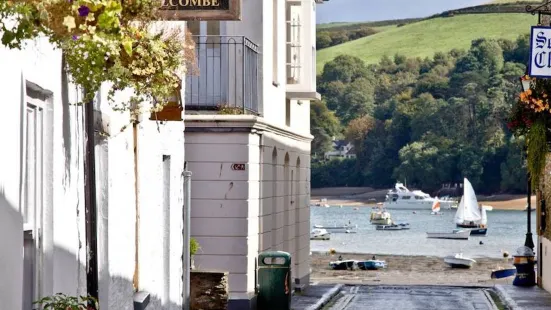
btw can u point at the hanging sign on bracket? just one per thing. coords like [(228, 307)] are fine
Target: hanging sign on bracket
[(201, 9)]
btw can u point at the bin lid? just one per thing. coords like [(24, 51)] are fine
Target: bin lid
[(274, 258), (524, 251)]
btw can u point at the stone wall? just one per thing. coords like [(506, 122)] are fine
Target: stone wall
[(209, 290)]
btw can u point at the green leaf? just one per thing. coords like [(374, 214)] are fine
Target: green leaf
[(127, 45)]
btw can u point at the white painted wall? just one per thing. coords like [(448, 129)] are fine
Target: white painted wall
[(545, 257), (238, 214), (62, 258)]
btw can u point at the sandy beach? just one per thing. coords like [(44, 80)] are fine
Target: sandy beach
[(408, 270), (366, 196)]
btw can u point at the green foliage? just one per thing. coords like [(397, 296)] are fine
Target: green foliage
[(323, 126), (194, 246), (63, 302), (537, 151), (430, 121), (105, 41)]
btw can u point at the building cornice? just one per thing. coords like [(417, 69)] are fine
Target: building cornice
[(239, 123)]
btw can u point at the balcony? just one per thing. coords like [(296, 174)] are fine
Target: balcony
[(226, 78)]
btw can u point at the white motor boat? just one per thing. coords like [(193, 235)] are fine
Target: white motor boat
[(319, 234), (458, 234), (402, 198), (459, 261)]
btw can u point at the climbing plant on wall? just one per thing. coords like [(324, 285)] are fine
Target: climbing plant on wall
[(115, 41)]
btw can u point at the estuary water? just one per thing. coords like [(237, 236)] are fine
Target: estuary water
[(506, 232)]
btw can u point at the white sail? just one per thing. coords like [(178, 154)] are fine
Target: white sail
[(436, 205), (471, 209), (460, 211), (484, 218)]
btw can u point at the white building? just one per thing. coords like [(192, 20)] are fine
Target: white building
[(250, 105), (42, 197), (341, 149)]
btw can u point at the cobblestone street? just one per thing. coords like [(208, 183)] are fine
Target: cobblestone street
[(413, 298)]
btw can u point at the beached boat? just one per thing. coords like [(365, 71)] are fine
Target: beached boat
[(459, 234), (319, 234), (402, 226), (503, 273), (400, 197), (371, 264), (469, 213), (459, 261), (348, 264)]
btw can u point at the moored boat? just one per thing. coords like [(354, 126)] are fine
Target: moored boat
[(459, 261), (458, 234), (319, 234), (469, 213), (400, 197), (403, 226), (380, 217)]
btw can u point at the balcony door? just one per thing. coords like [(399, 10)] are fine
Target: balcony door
[(208, 86)]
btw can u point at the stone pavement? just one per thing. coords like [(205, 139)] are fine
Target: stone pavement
[(358, 297), (524, 298), (315, 297), (385, 297)]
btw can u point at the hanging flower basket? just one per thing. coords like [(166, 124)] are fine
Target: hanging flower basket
[(531, 117), (106, 41)]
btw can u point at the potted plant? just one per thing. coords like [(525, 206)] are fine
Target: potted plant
[(193, 248), (61, 301)]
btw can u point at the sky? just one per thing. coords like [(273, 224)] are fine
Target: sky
[(374, 10)]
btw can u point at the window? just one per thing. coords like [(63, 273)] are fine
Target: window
[(293, 43), (275, 43), (406, 197)]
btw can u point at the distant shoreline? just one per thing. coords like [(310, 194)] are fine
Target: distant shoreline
[(368, 197)]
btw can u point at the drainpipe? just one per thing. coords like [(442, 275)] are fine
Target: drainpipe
[(90, 204), (186, 260), (136, 279)]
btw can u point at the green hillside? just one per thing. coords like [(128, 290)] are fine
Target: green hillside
[(426, 37)]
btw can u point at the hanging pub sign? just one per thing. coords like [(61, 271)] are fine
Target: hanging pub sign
[(201, 9), (540, 52)]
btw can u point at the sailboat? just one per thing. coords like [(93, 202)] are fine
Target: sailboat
[(436, 207), (469, 214)]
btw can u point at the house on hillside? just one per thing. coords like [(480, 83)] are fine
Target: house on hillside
[(248, 140), (341, 149), (43, 248)]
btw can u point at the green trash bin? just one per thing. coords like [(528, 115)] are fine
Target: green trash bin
[(274, 281)]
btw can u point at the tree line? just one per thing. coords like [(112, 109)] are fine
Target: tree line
[(430, 121)]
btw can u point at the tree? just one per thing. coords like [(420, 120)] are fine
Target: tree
[(323, 40), (344, 68), (323, 126), (358, 129)]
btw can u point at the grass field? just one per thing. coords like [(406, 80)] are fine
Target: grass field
[(426, 37)]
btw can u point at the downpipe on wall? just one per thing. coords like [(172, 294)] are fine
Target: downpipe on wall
[(90, 203), (186, 259)]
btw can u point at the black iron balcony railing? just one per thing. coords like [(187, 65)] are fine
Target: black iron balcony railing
[(227, 76)]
